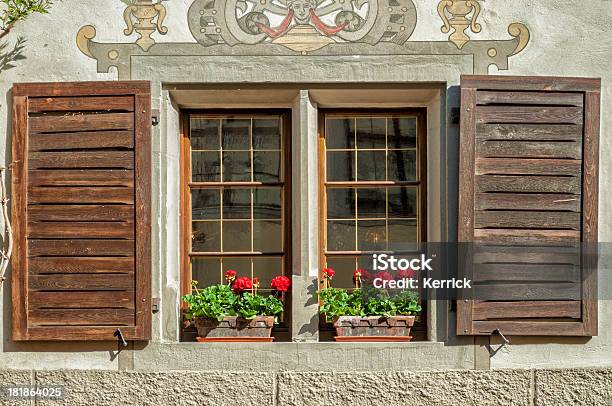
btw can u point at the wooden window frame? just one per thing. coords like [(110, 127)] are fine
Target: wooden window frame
[(421, 183), (187, 185)]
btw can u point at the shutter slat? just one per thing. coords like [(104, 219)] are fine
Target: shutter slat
[(66, 160), (88, 247), (90, 103), (81, 300), (63, 229), (85, 195), (50, 265), (80, 213), (82, 282), (81, 122), (76, 317), (528, 196), (76, 177), (82, 140)]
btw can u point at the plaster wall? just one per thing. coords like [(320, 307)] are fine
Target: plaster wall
[(567, 39)]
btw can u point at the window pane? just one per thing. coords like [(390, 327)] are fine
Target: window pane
[(236, 166), (207, 271), (371, 203), (371, 165), (340, 133), (266, 133), (402, 202), (236, 134), (402, 165), (266, 166), (344, 267), (267, 203), (341, 166), (267, 236), (205, 133), (340, 203), (402, 132), (205, 204), (267, 268), (237, 203), (205, 166), (206, 236), (242, 266), (371, 235), (402, 232), (340, 235), (237, 236), (371, 133)]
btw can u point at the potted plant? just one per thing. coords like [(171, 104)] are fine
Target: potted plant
[(368, 314), (236, 311)]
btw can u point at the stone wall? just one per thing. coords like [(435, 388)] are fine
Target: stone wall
[(503, 387)]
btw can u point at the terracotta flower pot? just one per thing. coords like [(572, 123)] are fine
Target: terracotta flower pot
[(234, 327), (373, 328)]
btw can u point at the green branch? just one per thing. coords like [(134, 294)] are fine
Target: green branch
[(14, 11)]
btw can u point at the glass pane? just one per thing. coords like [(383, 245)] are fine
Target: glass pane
[(237, 166), (236, 134), (266, 166), (402, 232), (267, 204), (237, 236), (340, 203), (340, 235), (371, 165), (206, 236), (340, 133), (205, 204), (371, 235), (242, 266), (344, 267), (402, 132), (267, 236), (266, 133), (371, 133), (207, 271), (205, 133), (267, 268), (402, 202), (402, 165), (341, 166), (206, 166), (371, 203), (237, 203)]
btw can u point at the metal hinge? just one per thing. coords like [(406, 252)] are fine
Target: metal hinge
[(155, 117)]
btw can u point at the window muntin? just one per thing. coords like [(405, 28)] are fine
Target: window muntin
[(373, 188), (235, 194)]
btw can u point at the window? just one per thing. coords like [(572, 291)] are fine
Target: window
[(373, 185), (235, 196)]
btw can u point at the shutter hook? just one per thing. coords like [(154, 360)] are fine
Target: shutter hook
[(492, 351), (120, 340)]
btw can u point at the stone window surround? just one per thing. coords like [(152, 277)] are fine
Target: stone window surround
[(304, 102)]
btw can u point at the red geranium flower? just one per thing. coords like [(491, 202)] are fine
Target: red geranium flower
[(242, 284), (385, 276), (256, 281), (358, 273), (280, 283), (365, 275), (406, 273), (230, 275), (328, 273)]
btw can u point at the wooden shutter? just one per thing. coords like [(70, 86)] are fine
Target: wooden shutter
[(81, 209), (529, 176)]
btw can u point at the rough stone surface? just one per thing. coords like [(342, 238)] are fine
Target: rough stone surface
[(173, 388), (14, 378), (400, 388), (573, 387)]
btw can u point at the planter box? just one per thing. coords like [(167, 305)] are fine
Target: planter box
[(235, 327), (373, 328)]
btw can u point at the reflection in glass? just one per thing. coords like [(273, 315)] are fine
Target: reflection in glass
[(206, 236), (402, 232), (371, 165), (266, 166), (236, 166), (236, 134), (267, 268), (207, 271), (371, 133), (205, 204), (242, 266), (402, 202), (205, 166), (402, 165), (340, 203), (237, 236), (344, 267), (267, 204), (402, 132), (340, 235), (371, 235), (266, 133), (340, 166), (267, 236), (236, 203), (205, 133), (371, 203), (340, 133)]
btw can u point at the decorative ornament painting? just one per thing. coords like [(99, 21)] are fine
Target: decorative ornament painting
[(459, 20), (145, 11)]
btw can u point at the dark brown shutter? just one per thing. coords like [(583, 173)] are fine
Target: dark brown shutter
[(81, 211), (529, 176)]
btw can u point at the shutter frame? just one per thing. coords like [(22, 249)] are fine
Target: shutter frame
[(590, 88), (139, 91)]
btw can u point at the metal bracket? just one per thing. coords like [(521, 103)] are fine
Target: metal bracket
[(120, 340), (155, 305), (492, 351), (155, 117)]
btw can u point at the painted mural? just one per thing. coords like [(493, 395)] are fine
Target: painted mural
[(302, 27)]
